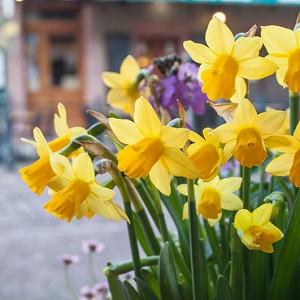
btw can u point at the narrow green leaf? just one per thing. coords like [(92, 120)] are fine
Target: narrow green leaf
[(167, 279), (224, 291), (288, 256), (115, 286), (129, 293), (145, 290), (151, 279)]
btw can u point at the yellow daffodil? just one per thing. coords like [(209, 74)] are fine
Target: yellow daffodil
[(124, 86), (244, 137), (76, 192), (226, 62), (205, 153), (64, 132), (283, 46), (213, 196), (285, 129), (257, 232), (38, 174), (151, 148), (288, 163)]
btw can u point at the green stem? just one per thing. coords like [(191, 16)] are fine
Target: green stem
[(120, 182), (236, 270), (294, 111), (126, 267), (194, 242), (161, 217), (246, 186)]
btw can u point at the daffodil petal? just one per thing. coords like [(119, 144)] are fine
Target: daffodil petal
[(281, 165), (296, 133), (240, 90), (230, 201), (247, 240), (297, 35), (112, 79), (262, 214), (179, 164), (213, 222), (120, 99), (225, 132), (282, 143), (195, 137), (129, 69), (277, 39), (161, 177), (199, 52), (102, 193), (182, 189), (270, 122), (280, 74), (245, 112), (275, 231), (256, 68), (146, 118), (125, 130), (243, 219), (246, 48), (57, 183), (83, 167), (230, 184), (185, 212), (203, 68), (61, 166), (228, 151), (82, 210), (219, 37), (174, 137), (43, 149)]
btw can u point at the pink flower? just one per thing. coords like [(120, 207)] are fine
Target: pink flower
[(101, 289), (87, 293), (91, 245), (68, 259)]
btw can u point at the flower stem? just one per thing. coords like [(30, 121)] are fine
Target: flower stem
[(91, 267), (68, 283), (294, 111), (246, 186), (194, 242)]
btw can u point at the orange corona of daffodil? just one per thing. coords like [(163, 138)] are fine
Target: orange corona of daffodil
[(256, 230), (288, 163), (151, 148), (64, 132), (283, 46), (226, 62), (75, 192), (124, 86), (213, 196), (38, 174), (244, 137), (205, 153)]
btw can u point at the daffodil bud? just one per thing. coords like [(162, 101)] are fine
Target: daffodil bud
[(277, 199), (102, 166), (176, 123)]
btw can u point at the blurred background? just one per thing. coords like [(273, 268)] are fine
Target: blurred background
[(54, 51)]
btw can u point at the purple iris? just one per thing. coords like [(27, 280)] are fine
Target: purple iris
[(185, 87)]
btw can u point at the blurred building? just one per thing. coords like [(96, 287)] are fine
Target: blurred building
[(63, 46)]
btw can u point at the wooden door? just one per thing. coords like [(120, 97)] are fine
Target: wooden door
[(54, 70)]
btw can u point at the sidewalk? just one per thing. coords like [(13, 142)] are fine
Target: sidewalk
[(32, 241)]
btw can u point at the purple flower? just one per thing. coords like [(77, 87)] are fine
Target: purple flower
[(101, 289), (87, 293), (92, 246), (185, 87), (68, 259)]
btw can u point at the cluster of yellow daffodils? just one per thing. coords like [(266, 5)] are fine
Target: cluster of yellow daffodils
[(213, 196), (75, 192), (152, 149), (226, 62), (246, 136), (124, 85), (257, 232), (205, 149), (283, 45), (288, 163)]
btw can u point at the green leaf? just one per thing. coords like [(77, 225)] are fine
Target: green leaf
[(151, 279), (115, 286), (167, 279), (224, 291), (129, 293), (145, 291), (288, 257)]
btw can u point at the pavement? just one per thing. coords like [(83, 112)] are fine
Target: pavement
[(31, 243)]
